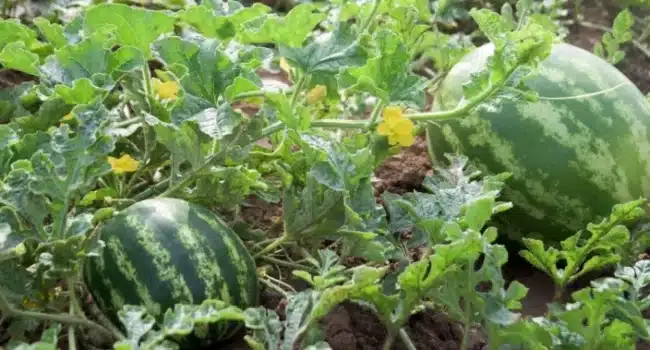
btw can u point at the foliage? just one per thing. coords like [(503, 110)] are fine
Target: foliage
[(128, 102)]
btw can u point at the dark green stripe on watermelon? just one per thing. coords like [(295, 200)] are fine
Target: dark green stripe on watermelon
[(572, 159), (169, 251)]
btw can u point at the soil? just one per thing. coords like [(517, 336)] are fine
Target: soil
[(404, 172)]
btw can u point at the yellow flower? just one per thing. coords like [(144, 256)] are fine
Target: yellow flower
[(30, 304), (285, 65), (123, 164), (316, 94), (167, 89), (398, 129)]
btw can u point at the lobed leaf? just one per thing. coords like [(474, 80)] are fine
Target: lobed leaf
[(133, 26), (387, 75)]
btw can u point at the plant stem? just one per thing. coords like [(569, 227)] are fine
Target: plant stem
[(148, 90), (406, 339), (281, 283), (72, 337), (146, 193), (374, 115), (285, 237), (274, 287), (287, 264), (558, 293), (459, 110), (427, 116), (390, 339), (370, 17), (301, 83), (127, 122), (60, 318), (259, 93), (467, 319), (339, 123)]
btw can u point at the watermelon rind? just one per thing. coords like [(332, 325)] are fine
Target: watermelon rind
[(571, 159), (163, 251)]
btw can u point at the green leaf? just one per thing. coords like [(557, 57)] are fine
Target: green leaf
[(8, 239), (327, 55), (16, 195), (493, 25), (297, 315), (137, 323), (97, 195), (583, 253), (48, 115), (8, 137), (215, 122), (517, 52), (328, 270), (298, 119), (133, 26), (16, 282), (92, 59), (185, 142), (49, 340), (453, 191), (207, 72), (249, 56), (290, 30), (82, 92), (364, 286), (11, 101), (72, 164), (216, 20), (11, 30), (239, 86), (387, 75), (313, 212), (478, 212), (621, 33), (52, 32), (265, 325), (638, 276), (16, 56), (227, 187)]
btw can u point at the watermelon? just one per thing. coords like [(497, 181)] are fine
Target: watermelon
[(571, 159), (164, 251)]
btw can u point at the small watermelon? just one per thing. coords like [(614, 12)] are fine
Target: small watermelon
[(164, 251), (573, 154)]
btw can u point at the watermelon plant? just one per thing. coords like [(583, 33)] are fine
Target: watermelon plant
[(136, 138)]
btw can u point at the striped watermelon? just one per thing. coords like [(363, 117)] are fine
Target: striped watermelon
[(164, 251), (571, 159)]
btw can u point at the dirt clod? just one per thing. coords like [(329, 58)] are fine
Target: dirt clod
[(404, 172)]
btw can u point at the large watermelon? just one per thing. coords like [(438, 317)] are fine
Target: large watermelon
[(164, 251), (571, 159)]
